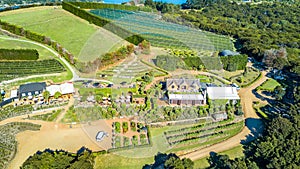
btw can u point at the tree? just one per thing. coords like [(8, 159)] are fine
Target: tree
[(170, 161), (46, 95), (57, 95), (279, 92)]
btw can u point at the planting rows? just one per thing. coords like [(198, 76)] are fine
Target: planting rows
[(11, 111), (164, 34), (8, 143), (200, 133), (128, 71), (12, 69)]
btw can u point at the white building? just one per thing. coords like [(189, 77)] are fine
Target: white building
[(222, 93), (65, 88)]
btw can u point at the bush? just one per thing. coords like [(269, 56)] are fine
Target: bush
[(19, 54), (125, 127), (133, 126), (117, 127), (233, 63)]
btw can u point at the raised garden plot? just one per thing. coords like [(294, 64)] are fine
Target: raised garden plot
[(165, 34), (14, 69)]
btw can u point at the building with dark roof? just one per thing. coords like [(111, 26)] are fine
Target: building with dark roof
[(31, 89)]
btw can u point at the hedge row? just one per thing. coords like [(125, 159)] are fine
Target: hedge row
[(95, 5), (102, 22), (233, 63), (19, 54)]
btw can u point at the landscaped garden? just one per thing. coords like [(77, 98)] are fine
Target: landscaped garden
[(128, 135), (249, 76), (47, 117), (8, 143)]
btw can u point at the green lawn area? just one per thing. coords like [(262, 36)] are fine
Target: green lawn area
[(232, 153), (244, 80), (269, 85), (113, 161), (12, 44), (73, 33)]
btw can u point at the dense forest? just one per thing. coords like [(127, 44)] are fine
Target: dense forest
[(256, 27)]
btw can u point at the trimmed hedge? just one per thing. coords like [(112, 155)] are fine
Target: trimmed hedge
[(19, 54), (99, 21), (233, 63), (95, 5)]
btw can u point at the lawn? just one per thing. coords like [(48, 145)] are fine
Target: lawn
[(113, 161), (12, 44), (84, 40), (269, 85), (247, 78), (232, 153)]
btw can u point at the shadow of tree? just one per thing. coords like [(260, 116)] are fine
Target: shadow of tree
[(256, 126)]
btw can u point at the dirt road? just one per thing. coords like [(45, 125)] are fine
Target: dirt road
[(247, 98)]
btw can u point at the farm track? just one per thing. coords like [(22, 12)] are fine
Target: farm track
[(247, 98)]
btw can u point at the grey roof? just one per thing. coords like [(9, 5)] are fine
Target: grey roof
[(186, 97), (228, 53), (32, 87), (182, 80), (219, 116), (229, 93)]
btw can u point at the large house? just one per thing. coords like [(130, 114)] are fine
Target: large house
[(186, 91), (31, 89), (222, 93)]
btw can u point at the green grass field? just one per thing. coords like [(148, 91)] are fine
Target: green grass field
[(112, 161), (12, 44), (269, 85), (232, 153), (73, 33)]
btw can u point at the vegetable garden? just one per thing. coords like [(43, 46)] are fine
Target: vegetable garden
[(8, 143), (12, 69), (10, 111), (164, 34)]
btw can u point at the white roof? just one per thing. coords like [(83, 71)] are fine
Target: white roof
[(65, 88), (53, 89), (222, 93), (186, 97), (13, 93)]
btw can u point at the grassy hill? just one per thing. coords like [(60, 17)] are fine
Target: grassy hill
[(73, 33)]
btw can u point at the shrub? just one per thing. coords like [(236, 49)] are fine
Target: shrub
[(125, 127), (19, 54)]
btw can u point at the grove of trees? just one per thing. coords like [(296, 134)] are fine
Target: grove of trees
[(257, 27)]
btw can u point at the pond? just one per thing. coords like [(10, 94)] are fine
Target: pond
[(168, 1)]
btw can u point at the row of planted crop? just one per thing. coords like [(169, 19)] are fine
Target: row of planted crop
[(209, 137), (201, 133)]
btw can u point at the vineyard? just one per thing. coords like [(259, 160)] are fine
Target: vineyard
[(203, 134), (8, 143), (164, 34), (13, 69)]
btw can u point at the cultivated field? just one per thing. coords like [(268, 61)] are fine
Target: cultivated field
[(70, 31), (165, 34)]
